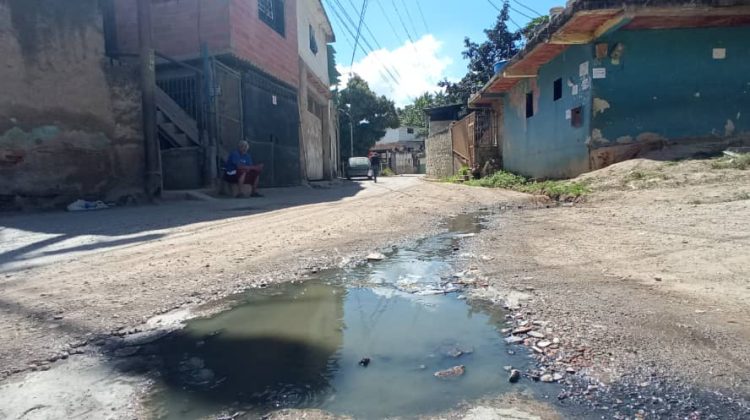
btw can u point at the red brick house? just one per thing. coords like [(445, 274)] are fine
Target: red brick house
[(251, 61)]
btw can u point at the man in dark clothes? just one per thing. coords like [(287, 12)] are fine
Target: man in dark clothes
[(240, 171), (375, 165)]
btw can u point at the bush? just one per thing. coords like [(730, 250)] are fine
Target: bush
[(552, 189), (741, 162), (387, 172)]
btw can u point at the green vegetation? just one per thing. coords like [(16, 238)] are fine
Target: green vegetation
[(553, 189), (741, 162), (387, 172)]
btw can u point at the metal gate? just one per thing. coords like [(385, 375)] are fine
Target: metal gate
[(229, 129), (271, 125)]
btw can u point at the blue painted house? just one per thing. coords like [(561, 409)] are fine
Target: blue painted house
[(606, 81)]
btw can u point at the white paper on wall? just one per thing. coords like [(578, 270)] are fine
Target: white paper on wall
[(583, 69)]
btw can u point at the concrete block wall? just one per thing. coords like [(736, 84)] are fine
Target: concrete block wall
[(70, 122), (439, 151)]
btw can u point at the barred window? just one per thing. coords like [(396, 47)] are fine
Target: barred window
[(272, 13), (313, 41)]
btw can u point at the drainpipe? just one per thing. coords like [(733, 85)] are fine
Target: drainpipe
[(153, 185)]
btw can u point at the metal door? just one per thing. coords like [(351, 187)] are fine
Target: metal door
[(271, 125), (228, 108)]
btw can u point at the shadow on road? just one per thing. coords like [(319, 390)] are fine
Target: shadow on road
[(28, 240)]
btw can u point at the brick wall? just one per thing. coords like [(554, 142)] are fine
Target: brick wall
[(226, 26), (255, 41), (179, 26), (439, 150)]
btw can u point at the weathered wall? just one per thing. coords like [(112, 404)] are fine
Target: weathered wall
[(439, 151), (667, 85), (311, 13), (546, 145), (438, 126), (69, 120), (179, 26)]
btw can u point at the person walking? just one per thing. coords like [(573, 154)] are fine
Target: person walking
[(375, 165)]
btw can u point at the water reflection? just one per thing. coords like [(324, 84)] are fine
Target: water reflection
[(298, 346)]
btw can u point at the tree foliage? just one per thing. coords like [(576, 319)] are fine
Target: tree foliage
[(413, 115), (530, 29), (501, 44), (371, 115)]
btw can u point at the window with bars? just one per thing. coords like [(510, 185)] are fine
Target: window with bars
[(272, 13), (313, 41)]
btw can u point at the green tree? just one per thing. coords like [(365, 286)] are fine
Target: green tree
[(530, 29), (501, 44), (413, 115), (370, 114)]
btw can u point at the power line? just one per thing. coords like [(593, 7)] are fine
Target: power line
[(359, 30), (385, 75), (509, 17), (408, 15), (388, 19), (364, 39), (528, 8), (374, 38), (421, 14), (401, 19)]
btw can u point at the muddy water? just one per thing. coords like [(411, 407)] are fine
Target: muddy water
[(299, 345)]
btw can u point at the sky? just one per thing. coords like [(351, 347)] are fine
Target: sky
[(432, 49)]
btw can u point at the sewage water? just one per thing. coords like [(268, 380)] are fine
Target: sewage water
[(299, 345)]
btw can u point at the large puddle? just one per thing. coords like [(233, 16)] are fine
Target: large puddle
[(300, 345)]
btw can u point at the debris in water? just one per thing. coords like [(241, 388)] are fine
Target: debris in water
[(451, 373), (375, 256), (364, 362)]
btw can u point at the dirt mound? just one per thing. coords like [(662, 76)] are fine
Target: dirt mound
[(643, 173)]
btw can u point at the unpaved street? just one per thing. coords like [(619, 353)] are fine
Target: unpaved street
[(68, 277), (644, 285)]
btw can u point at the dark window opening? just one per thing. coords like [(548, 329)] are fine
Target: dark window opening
[(313, 41), (576, 117), (558, 90), (529, 104), (272, 13), (409, 131)]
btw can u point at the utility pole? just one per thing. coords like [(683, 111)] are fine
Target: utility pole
[(148, 86), (351, 136)]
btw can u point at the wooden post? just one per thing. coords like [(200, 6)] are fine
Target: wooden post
[(148, 85)]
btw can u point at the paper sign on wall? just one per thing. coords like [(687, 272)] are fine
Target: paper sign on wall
[(583, 69), (585, 83), (720, 53), (574, 90), (600, 73), (567, 114)]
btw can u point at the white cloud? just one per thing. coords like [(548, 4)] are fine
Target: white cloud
[(418, 68)]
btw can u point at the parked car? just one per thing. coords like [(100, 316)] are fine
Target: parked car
[(358, 167)]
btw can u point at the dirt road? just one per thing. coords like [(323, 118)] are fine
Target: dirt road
[(66, 278), (645, 285)]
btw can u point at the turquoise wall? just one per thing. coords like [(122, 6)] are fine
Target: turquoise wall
[(669, 84), (546, 145)]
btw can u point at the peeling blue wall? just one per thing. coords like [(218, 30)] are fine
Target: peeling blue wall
[(668, 84), (547, 145)]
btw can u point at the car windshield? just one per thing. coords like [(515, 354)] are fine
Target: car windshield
[(358, 161)]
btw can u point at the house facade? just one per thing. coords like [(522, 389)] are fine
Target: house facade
[(71, 119), (238, 70), (608, 81), (316, 107)]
